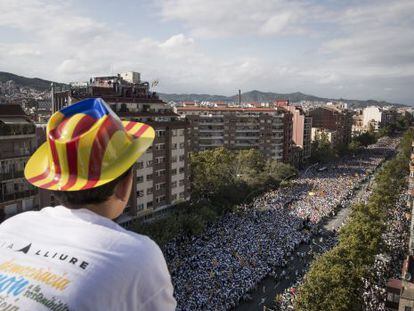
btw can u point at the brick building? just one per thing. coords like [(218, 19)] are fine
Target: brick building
[(17, 143), (162, 173), (266, 129), (333, 120)]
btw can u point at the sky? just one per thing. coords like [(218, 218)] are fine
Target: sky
[(332, 48)]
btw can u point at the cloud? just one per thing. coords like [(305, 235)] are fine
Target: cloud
[(217, 18), (358, 49)]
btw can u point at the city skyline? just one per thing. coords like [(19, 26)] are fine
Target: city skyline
[(330, 49)]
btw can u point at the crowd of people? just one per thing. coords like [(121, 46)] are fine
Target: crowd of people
[(388, 264), (215, 270)]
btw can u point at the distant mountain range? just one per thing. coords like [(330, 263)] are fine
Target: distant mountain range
[(34, 83), (13, 87), (258, 96)]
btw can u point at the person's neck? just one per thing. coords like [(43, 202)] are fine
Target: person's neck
[(105, 209)]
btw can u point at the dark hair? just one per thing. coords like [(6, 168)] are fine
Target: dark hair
[(75, 199)]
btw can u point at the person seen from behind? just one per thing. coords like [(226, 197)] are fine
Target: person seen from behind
[(74, 256)]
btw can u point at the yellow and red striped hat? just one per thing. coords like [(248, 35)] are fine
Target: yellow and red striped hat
[(87, 146)]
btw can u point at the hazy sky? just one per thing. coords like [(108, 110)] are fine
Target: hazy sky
[(333, 48)]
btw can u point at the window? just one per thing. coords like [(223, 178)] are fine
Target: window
[(160, 172), (140, 193), (140, 164), (160, 146), (149, 204), (140, 179), (174, 184), (149, 191), (181, 132), (181, 170), (174, 197), (182, 195), (174, 132), (174, 147), (141, 206), (174, 171), (182, 182), (149, 177), (149, 150), (160, 186), (182, 157), (160, 133), (406, 308), (159, 160), (149, 163), (174, 159), (160, 198), (182, 145)]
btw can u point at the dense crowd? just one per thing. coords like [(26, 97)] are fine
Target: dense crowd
[(389, 263), (216, 270)]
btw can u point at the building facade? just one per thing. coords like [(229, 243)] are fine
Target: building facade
[(333, 120), (162, 173), (302, 131), (17, 143), (266, 129)]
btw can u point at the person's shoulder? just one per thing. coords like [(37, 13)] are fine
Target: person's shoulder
[(20, 218)]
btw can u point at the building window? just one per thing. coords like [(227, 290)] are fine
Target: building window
[(181, 132), (149, 177), (149, 191), (174, 159), (182, 182), (149, 204), (160, 186), (160, 133), (140, 165), (140, 179), (174, 147), (160, 172), (182, 195), (149, 150), (182, 158), (182, 145), (159, 199), (159, 160), (182, 169), (174, 184), (406, 308), (141, 206), (149, 163), (160, 146), (174, 197), (174, 171), (140, 193)]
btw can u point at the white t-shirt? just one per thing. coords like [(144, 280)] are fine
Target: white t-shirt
[(61, 259)]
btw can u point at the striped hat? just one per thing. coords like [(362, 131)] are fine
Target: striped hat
[(87, 146)]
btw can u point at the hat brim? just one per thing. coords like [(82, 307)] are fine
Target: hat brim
[(37, 170)]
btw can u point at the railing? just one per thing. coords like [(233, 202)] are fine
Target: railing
[(12, 175), (17, 195)]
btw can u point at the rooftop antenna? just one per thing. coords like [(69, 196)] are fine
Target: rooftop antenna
[(154, 84), (239, 97)]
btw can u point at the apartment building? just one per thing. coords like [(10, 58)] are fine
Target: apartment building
[(162, 173), (266, 129), (17, 143), (302, 130), (333, 120)]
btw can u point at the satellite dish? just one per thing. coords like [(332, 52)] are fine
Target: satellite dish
[(407, 276)]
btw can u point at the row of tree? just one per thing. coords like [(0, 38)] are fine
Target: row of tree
[(334, 281), (220, 179)]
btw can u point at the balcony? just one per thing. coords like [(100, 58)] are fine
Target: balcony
[(17, 195), (11, 175)]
